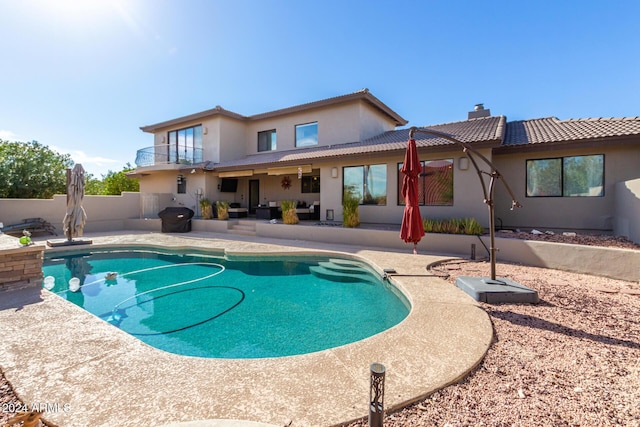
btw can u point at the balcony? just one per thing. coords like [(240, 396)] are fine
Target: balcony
[(167, 154)]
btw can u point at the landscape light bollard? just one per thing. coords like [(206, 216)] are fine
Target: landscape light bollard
[(376, 395)]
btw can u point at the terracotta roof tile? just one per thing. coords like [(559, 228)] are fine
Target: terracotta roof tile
[(552, 130), (486, 129)]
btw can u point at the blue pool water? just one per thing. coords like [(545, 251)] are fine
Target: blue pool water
[(200, 305)]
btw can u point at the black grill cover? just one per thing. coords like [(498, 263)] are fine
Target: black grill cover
[(176, 219)]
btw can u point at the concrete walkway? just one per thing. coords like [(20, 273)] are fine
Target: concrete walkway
[(92, 374)]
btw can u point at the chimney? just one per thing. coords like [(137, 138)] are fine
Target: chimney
[(478, 112)]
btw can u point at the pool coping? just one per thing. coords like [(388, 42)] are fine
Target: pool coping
[(107, 377)]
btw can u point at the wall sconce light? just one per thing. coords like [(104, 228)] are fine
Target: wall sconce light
[(163, 140), (193, 171), (205, 130), (463, 163), (334, 172), (180, 179)]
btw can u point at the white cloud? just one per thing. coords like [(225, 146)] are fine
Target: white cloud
[(7, 135), (95, 165)]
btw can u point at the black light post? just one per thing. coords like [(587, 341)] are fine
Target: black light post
[(376, 395)]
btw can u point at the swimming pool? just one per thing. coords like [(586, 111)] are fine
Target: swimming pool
[(201, 305)]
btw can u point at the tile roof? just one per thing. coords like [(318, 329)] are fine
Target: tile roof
[(482, 130), (552, 130)]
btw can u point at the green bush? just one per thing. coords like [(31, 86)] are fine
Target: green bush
[(453, 226)]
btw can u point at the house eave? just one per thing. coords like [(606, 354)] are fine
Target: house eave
[(217, 111), (363, 95)]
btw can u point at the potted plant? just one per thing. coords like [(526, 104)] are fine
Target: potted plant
[(350, 214), (223, 210), (289, 215), (206, 208)]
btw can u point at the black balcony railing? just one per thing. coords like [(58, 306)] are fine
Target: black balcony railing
[(166, 154)]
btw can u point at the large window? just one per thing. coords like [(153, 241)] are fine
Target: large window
[(267, 140), (368, 183), (435, 183), (310, 184), (185, 145), (307, 134), (576, 176)]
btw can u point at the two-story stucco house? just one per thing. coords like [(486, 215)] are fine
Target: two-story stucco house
[(567, 174)]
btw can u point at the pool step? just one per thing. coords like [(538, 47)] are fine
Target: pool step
[(342, 268), (243, 228), (340, 271), (334, 276)]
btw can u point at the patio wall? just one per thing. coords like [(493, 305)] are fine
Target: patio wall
[(627, 208), (608, 262), (104, 213), (117, 213)]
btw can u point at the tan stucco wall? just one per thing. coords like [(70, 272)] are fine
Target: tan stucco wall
[(335, 125), (103, 212), (581, 213), (233, 139), (627, 210), (211, 140), (609, 262), (225, 138), (371, 123), (468, 196), (340, 124)]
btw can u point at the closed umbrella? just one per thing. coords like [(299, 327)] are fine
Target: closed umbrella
[(412, 228), (75, 217)]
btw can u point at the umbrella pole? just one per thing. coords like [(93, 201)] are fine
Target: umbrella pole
[(415, 249), (68, 183), (488, 195), (492, 235)]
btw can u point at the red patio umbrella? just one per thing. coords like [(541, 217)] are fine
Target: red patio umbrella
[(412, 228)]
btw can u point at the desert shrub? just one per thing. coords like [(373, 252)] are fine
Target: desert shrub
[(223, 210), (289, 215), (453, 226), (350, 214), (206, 208)]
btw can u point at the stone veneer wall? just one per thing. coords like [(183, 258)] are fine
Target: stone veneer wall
[(20, 267)]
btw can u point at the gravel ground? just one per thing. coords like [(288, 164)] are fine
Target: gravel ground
[(572, 360), (574, 238)]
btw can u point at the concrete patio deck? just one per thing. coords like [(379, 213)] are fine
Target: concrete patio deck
[(88, 372)]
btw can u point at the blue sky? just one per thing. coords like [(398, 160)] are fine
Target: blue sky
[(82, 76)]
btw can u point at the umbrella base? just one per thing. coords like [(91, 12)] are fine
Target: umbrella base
[(496, 291), (67, 242)]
